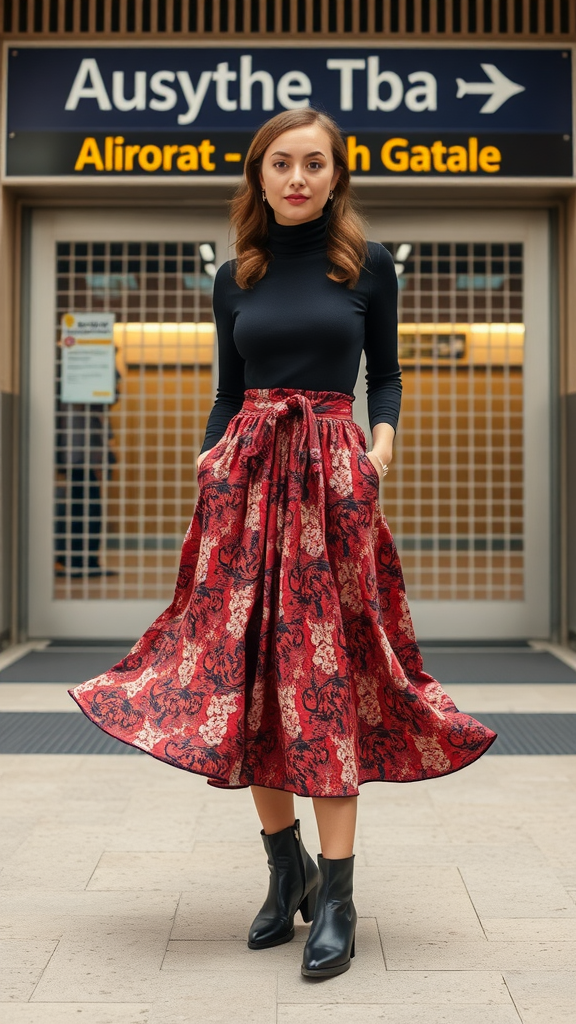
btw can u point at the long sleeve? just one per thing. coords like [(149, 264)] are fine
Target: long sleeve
[(383, 376), (230, 391), (297, 328)]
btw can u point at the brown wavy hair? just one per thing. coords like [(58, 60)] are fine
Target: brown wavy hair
[(347, 248)]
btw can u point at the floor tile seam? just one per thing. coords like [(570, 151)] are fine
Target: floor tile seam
[(536, 861), (235, 942), (94, 870), (387, 1003), (44, 969), (62, 1000), (360, 918), (169, 938), (514, 1003), (469, 894), (65, 888), (381, 941), (447, 970), (498, 946), (268, 973), (452, 970), (515, 942), (494, 973)]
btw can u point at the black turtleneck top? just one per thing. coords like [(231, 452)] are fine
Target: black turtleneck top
[(296, 328)]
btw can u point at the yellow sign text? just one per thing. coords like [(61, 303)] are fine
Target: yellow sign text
[(399, 156), (116, 156)]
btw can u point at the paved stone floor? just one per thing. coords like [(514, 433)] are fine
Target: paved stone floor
[(128, 887)]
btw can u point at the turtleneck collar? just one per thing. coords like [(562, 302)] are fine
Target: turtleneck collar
[(297, 240)]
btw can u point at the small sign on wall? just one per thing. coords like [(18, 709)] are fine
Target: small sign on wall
[(88, 358)]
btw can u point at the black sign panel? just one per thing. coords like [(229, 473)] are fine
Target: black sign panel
[(191, 112)]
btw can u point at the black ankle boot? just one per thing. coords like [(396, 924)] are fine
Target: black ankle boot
[(293, 885), (331, 943)]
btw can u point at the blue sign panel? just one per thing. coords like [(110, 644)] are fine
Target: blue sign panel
[(192, 111)]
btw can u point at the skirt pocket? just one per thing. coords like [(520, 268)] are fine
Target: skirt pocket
[(374, 474), (213, 453), (371, 471)]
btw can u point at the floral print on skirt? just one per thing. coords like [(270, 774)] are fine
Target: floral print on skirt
[(287, 658)]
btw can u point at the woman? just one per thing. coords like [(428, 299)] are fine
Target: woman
[(287, 660)]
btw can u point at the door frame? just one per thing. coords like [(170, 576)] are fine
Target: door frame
[(84, 619), (122, 619), (500, 620)]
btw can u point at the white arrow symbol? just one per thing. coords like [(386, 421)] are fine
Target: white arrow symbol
[(499, 88)]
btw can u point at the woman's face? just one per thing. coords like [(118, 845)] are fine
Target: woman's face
[(299, 163)]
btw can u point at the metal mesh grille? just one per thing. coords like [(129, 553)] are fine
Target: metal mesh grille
[(124, 477), (454, 500)]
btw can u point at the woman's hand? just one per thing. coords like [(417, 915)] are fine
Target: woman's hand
[(375, 460), (201, 458), (383, 436)]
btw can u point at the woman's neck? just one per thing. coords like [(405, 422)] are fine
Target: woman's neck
[(286, 241)]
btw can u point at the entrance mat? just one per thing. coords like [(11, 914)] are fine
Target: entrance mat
[(518, 666), (61, 732), (55, 732), (457, 666), (62, 666), (530, 734)]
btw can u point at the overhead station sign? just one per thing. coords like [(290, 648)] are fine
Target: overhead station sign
[(103, 112)]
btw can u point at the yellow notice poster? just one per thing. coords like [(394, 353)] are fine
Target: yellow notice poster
[(88, 364)]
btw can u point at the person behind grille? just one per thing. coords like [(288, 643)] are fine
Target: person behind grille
[(85, 456)]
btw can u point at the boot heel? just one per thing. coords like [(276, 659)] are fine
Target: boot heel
[(308, 905), (353, 950)]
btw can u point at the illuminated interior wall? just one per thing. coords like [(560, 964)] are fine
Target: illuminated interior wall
[(454, 497), (130, 515)]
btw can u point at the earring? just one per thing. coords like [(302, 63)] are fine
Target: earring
[(330, 195), (263, 195)]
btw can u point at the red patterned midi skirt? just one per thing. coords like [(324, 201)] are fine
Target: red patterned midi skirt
[(287, 658)]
